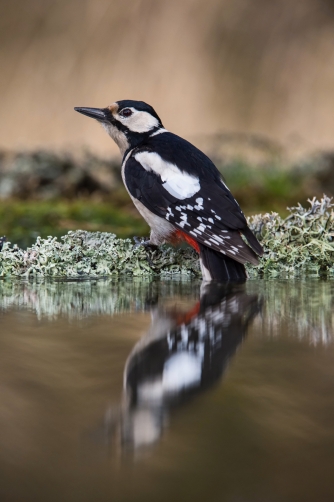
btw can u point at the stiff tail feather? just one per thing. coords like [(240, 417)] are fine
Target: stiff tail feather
[(252, 241), (216, 266)]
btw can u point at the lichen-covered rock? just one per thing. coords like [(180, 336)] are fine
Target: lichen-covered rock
[(300, 244), (93, 254)]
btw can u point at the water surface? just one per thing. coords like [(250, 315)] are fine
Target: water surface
[(158, 391)]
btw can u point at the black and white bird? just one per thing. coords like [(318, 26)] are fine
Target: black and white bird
[(178, 190)]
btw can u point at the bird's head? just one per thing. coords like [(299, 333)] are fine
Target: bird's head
[(127, 122)]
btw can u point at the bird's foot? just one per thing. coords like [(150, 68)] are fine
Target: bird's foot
[(141, 241), (2, 241)]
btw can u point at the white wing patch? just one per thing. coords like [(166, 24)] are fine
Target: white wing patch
[(179, 184), (182, 186)]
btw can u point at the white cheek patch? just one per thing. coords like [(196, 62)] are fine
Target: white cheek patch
[(139, 121), (179, 184)]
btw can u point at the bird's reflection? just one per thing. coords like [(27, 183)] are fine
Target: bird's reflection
[(182, 354)]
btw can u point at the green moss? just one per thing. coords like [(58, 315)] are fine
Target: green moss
[(22, 221), (274, 186)]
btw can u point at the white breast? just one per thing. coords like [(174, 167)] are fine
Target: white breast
[(117, 135), (161, 229)]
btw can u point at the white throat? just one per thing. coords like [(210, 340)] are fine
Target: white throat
[(118, 136)]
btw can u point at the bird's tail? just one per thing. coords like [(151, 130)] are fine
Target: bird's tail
[(216, 266)]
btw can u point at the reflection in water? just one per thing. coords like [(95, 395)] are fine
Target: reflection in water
[(182, 354), (70, 349), (305, 307), (80, 299)]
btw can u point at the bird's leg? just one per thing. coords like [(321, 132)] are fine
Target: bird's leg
[(141, 241), (2, 241)]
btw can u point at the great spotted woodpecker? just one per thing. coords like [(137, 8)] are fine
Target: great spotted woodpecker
[(178, 190)]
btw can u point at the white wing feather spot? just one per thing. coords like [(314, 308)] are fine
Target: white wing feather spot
[(199, 202), (178, 183)]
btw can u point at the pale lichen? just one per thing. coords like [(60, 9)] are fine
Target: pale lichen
[(93, 254), (302, 243)]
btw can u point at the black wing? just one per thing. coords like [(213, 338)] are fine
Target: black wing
[(211, 215)]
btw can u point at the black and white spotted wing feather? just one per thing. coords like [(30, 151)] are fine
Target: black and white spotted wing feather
[(183, 186)]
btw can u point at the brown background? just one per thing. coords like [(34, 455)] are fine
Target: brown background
[(209, 66)]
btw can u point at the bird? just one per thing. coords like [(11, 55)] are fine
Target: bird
[(179, 191)]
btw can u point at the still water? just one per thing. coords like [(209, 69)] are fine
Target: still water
[(166, 391)]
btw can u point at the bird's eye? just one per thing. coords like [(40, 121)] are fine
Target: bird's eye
[(126, 112)]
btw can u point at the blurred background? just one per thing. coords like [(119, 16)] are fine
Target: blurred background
[(250, 82)]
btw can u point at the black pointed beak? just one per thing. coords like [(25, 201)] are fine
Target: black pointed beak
[(95, 113)]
